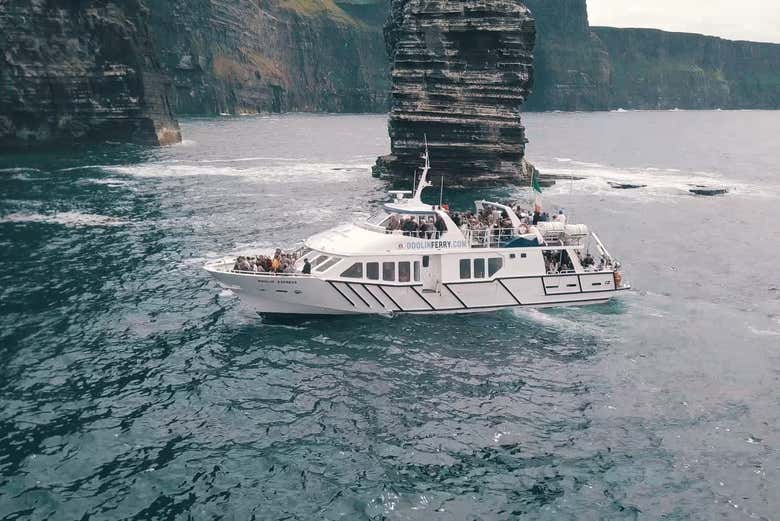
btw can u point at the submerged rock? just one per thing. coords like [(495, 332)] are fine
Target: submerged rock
[(461, 70), (708, 190), (626, 186), (81, 71)]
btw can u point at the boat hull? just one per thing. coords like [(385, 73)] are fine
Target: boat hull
[(305, 295)]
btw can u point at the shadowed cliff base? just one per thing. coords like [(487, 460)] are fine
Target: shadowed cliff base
[(81, 72), (460, 72)]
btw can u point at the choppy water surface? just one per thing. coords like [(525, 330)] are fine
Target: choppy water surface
[(132, 387)]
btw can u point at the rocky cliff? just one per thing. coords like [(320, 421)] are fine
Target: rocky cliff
[(461, 70), (250, 56), (579, 67), (84, 70), (652, 69), (572, 65)]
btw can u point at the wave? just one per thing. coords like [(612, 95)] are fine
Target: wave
[(71, 219), (18, 170), (111, 182), (576, 176), (262, 174)]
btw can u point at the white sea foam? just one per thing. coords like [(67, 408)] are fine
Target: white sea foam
[(332, 172), (763, 332), (112, 182), (594, 178), (17, 170), (82, 167), (74, 219)]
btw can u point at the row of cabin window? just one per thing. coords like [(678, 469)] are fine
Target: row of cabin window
[(493, 266), (405, 271)]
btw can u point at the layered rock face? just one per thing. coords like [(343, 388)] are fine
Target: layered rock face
[(461, 70), (572, 65), (579, 67), (76, 71), (251, 56), (653, 69)]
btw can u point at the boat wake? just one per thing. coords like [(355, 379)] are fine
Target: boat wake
[(71, 219)]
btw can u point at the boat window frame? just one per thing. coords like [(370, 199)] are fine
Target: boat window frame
[(465, 274), (321, 258), (416, 270), (328, 264), (492, 272), (385, 273), (482, 267), (408, 265), (368, 270), (358, 265)]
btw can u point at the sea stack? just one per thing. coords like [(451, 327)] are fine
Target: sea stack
[(81, 71), (461, 70)]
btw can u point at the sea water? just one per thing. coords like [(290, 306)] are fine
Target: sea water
[(133, 387)]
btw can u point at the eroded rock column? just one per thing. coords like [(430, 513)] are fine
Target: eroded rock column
[(462, 70)]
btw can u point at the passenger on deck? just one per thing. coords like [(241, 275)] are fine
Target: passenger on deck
[(428, 229), (394, 224), (243, 264), (306, 267), (276, 264), (440, 226), (588, 261), (561, 217), (408, 226)]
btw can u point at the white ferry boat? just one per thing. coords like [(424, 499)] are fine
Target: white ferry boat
[(373, 267)]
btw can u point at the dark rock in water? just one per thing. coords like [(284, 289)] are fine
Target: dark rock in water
[(461, 71), (626, 186), (81, 71), (710, 191)]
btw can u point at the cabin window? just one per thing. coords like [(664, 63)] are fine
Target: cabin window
[(465, 268), (479, 268), (426, 261), (557, 261), (319, 260), (388, 271), (512, 255), (404, 272), (354, 272), (328, 264), (523, 255), (417, 271), (494, 265), (372, 270)]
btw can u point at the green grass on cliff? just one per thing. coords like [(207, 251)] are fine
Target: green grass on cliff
[(327, 8)]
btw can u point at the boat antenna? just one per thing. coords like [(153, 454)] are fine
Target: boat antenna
[(441, 192), (424, 183)]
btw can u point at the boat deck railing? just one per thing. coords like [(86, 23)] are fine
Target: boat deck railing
[(483, 237), (270, 273)]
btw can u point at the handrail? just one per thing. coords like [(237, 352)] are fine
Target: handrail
[(245, 272)]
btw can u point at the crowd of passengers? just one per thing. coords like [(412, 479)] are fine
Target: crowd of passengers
[(281, 262), (493, 220)]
